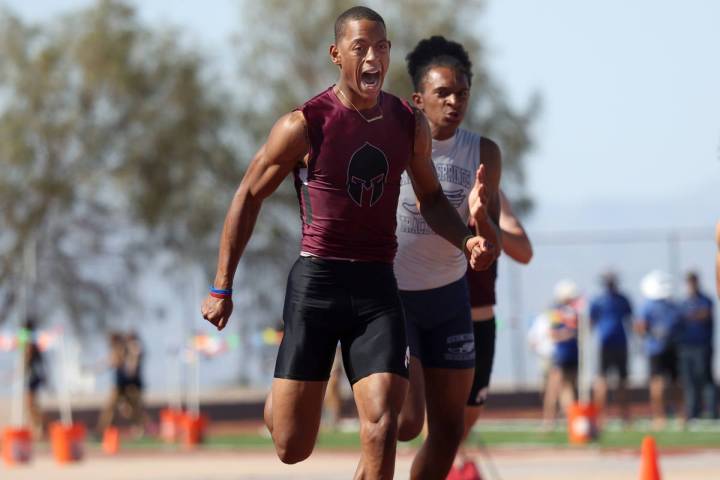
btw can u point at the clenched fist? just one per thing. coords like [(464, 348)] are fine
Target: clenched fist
[(217, 310), (481, 252)]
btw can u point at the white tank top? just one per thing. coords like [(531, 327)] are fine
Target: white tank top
[(425, 260)]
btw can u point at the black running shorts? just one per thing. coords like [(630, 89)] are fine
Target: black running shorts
[(484, 332), (439, 326), (665, 364), (614, 359), (355, 303)]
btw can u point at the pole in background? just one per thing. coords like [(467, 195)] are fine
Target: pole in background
[(517, 332)]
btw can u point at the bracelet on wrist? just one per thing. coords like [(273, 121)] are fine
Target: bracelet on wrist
[(220, 292)]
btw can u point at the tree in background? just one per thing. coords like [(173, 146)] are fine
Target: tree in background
[(112, 156), (118, 152)]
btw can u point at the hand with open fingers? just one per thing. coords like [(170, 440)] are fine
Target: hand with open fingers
[(481, 253), (217, 310), (478, 196)]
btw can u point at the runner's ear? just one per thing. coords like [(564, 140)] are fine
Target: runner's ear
[(417, 100), (334, 52)]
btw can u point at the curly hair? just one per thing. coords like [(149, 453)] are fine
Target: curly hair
[(437, 51)]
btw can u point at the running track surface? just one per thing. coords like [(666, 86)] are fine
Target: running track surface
[(511, 464)]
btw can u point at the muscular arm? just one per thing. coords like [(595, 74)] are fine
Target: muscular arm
[(484, 197), (435, 208), (285, 147), (515, 241)]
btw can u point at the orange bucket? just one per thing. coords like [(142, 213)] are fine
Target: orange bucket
[(582, 423), (194, 429), (67, 441), (111, 440), (171, 424), (16, 446)]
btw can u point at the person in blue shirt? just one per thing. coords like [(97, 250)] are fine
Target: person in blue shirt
[(696, 349), (563, 318), (610, 314), (659, 323)]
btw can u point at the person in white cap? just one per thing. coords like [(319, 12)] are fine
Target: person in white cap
[(563, 318), (659, 323)]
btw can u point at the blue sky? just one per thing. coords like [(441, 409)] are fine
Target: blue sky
[(631, 94)]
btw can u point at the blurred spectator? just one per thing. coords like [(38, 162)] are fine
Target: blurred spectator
[(610, 313), (133, 387), (659, 323), (696, 351), (563, 319), (116, 362), (35, 377), (542, 344)]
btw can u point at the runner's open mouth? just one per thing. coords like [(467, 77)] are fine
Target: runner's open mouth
[(370, 79), (453, 115)]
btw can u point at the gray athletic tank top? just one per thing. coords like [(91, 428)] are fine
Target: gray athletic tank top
[(425, 260)]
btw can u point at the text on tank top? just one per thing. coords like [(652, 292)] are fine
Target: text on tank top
[(348, 193), (424, 259)]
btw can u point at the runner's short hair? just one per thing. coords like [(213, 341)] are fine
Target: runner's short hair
[(355, 13)]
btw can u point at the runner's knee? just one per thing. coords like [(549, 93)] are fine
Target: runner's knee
[(379, 429), (410, 427), (291, 449)]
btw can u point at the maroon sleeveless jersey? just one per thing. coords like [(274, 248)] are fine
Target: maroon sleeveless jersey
[(349, 192)]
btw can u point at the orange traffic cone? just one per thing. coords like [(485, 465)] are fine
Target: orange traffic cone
[(111, 441), (649, 469)]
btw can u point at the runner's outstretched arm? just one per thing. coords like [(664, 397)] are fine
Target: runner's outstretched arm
[(285, 147), (483, 199), (515, 241)]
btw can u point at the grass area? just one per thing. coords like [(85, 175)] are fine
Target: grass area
[(611, 439), (520, 436)]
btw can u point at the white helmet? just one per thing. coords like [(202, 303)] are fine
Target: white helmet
[(565, 291), (656, 285)]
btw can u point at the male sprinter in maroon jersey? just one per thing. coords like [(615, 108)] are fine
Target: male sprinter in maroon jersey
[(348, 147)]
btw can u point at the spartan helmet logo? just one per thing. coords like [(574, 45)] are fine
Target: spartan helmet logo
[(367, 173)]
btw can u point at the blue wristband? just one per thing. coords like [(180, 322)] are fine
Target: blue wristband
[(221, 291)]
